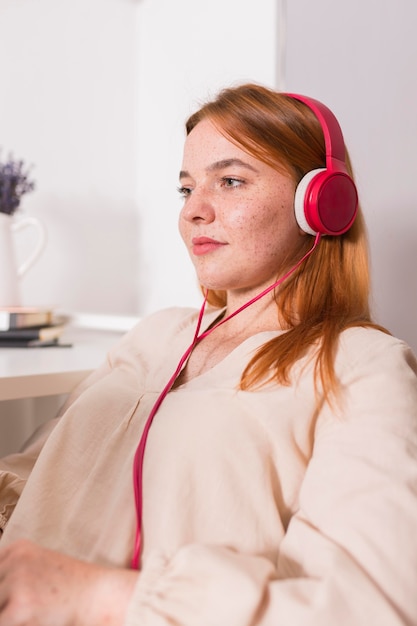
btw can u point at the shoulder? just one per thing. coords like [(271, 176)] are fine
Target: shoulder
[(167, 320), (378, 378), (157, 331), (372, 347), (161, 325)]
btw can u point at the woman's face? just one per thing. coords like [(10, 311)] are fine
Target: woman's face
[(237, 220)]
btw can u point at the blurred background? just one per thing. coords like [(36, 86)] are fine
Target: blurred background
[(94, 94)]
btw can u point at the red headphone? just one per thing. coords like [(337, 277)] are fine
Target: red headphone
[(326, 199)]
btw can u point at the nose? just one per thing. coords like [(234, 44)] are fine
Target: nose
[(198, 206)]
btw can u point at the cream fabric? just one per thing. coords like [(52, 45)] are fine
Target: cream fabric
[(263, 508)]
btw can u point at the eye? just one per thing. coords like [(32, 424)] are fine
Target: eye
[(230, 182), (184, 191)]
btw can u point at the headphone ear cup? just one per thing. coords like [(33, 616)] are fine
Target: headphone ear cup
[(300, 201), (326, 202)]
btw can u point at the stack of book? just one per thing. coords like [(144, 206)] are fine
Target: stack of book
[(29, 327)]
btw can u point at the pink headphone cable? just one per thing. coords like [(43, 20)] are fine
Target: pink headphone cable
[(140, 451)]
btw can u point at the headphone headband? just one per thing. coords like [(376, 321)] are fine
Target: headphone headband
[(333, 136)]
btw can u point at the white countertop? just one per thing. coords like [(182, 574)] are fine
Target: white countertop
[(34, 372)]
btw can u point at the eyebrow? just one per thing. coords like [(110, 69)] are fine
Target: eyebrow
[(221, 165)]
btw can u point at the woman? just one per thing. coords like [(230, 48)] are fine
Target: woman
[(273, 435)]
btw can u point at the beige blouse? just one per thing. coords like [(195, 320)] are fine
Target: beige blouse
[(266, 508)]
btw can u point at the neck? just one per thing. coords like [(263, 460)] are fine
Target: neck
[(232, 311), (261, 314)]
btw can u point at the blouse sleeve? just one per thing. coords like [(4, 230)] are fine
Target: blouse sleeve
[(349, 556), (15, 469)]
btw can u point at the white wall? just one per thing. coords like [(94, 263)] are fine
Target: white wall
[(187, 51), (95, 92), (67, 106), (360, 57)]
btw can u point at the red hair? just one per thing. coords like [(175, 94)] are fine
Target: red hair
[(330, 290)]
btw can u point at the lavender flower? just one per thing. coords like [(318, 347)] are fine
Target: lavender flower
[(14, 183)]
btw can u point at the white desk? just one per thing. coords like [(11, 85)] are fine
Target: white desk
[(35, 372)]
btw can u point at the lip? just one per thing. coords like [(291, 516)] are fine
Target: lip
[(204, 245)]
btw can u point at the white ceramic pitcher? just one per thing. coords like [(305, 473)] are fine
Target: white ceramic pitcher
[(10, 273)]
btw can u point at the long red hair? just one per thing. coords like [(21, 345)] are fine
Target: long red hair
[(330, 291)]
